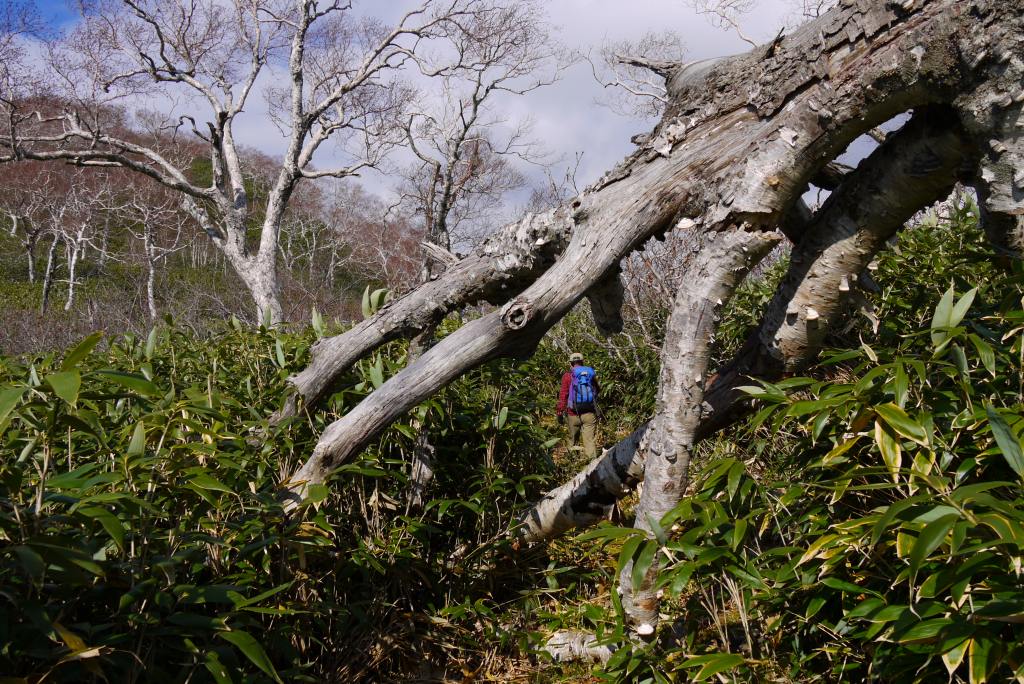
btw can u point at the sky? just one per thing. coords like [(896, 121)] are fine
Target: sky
[(567, 123)]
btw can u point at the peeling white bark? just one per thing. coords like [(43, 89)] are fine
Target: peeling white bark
[(589, 497), (739, 141), (573, 646), (994, 116)]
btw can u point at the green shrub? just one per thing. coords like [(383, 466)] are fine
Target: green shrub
[(867, 522), (142, 532)]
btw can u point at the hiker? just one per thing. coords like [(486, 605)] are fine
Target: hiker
[(578, 399)]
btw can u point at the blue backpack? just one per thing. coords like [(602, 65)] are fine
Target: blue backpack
[(581, 392)]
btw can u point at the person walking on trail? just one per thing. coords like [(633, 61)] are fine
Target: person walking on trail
[(578, 400)]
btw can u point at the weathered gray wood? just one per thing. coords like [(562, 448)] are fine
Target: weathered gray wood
[(711, 279), (917, 166), (738, 142), (500, 268), (994, 116), (606, 303)]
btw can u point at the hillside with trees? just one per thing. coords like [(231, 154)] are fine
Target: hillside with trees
[(259, 423)]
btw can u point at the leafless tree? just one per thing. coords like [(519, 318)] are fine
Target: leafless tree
[(22, 203), (379, 243), (463, 148), (630, 72), (342, 77), (812, 9), (19, 20), (155, 220), (727, 14)]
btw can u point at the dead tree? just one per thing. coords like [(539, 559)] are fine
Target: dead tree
[(739, 141), (149, 216), (464, 160)]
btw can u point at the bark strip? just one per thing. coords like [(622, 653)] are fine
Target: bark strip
[(994, 115)]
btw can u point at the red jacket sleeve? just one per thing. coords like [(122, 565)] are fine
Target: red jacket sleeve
[(563, 395)]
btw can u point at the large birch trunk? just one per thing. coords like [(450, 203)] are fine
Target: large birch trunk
[(260, 277), (737, 145)]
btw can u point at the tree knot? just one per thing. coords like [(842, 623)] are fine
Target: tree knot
[(516, 314)]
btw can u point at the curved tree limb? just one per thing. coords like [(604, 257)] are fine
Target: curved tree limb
[(917, 166), (711, 278), (588, 497), (736, 145)]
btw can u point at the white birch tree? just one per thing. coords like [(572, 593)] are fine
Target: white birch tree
[(343, 84)]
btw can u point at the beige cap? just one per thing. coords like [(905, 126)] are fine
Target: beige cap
[(575, 356)]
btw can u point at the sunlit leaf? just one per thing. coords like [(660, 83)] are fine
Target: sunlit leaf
[(961, 307), (941, 317), (901, 423), (933, 534), (252, 650), (953, 658), (131, 381), (137, 445), (81, 351), (377, 372), (150, 347), (985, 353), (889, 446), (1007, 441), (643, 561), (367, 311), (712, 664), (9, 398), (982, 654), (66, 385)]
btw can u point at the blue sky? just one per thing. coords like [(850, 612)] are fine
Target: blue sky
[(56, 13)]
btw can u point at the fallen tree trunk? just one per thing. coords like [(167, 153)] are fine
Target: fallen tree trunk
[(739, 141), (915, 167), (503, 265)]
